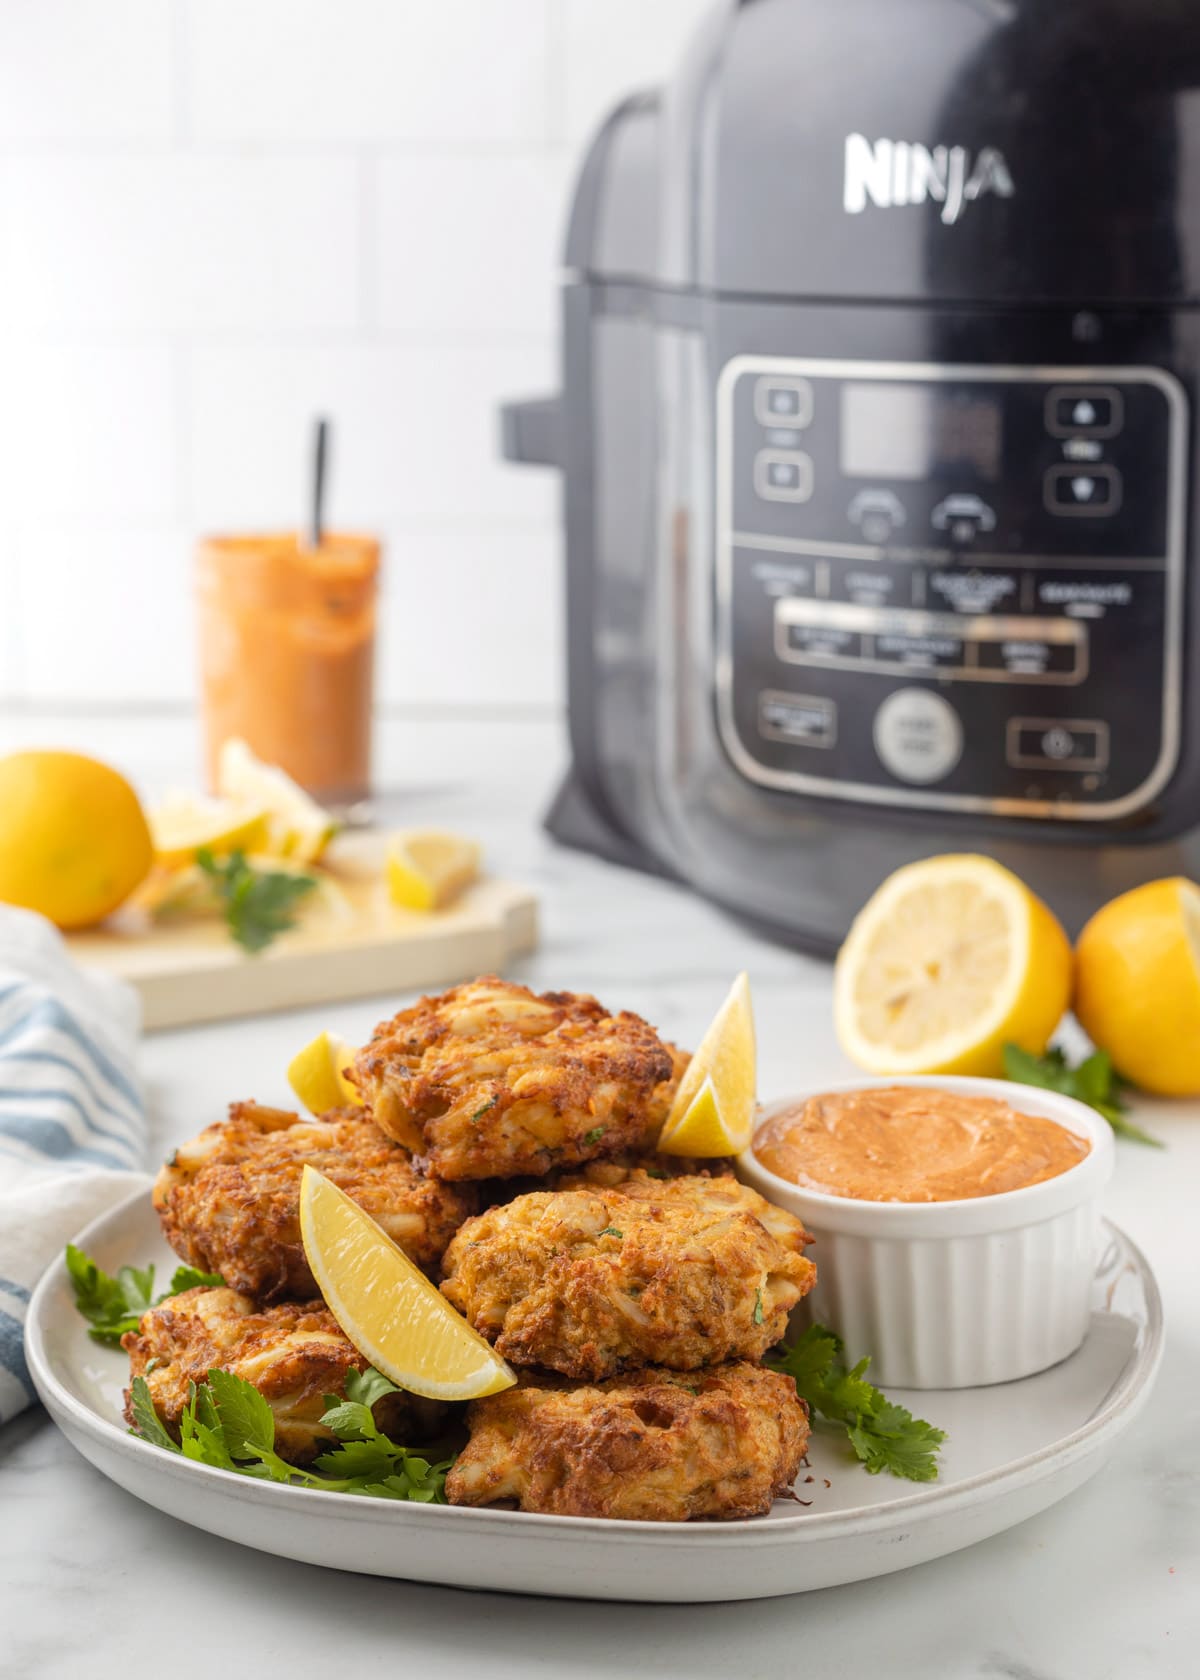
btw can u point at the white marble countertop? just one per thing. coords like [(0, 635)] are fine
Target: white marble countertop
[(95, 1584)]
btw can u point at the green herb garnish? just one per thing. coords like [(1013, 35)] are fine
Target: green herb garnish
[(228, 1424), (884, 1436), (611, 1231), (480, 1112), (113, 1305), (1093, 1082), (758, 1306), (596, 1133), (259, 904)]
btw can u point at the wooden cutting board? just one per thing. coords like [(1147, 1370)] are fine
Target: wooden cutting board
[(190, 970)]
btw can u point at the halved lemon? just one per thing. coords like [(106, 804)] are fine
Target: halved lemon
[(713, 1110), (185, 823), (1137, 985), (297, 826), (428, 868), (389, 1309), (948, 961), (316, 1074)]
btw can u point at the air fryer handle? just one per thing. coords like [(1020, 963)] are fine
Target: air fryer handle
[(531, 431)]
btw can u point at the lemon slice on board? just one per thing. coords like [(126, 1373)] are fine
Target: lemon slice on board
[(713, 1110), (388, 1308), (185, 823), (315, 1074), (297, 826), (948, 961), (1137, 985), (428, 868)]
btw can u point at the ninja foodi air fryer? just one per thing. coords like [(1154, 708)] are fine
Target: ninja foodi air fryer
[(880, 346)]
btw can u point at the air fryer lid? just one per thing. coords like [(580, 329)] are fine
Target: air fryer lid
[(1007, 150)]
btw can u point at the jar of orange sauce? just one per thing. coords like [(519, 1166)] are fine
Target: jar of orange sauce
[(287, 645)]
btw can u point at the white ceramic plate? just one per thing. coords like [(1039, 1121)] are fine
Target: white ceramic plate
[(1012, 1451)]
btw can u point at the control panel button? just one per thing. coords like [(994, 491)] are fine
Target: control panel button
[(1093, 490), (783, 402), (973, 591), (867, 584), (929, 652), (783, 475), (1057, 744), (877, 513), (1090, 411), (1030, 656), (917, 736), (963, 516), (819, 640), (806, 720)]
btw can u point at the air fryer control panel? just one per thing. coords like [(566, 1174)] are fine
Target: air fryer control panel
[(957, 587)]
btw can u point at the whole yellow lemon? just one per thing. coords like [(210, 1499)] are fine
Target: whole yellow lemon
[(1137, 985), (74, 841)]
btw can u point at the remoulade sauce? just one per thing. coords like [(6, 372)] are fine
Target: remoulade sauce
[(913, 1144)]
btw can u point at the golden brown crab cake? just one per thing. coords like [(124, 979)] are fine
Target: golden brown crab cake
[(625, 1169), (229, 1200), (653, 1445), (294, 1354), (680, 1272), (490, 1080)]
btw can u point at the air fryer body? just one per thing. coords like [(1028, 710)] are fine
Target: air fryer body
[(880, 351)]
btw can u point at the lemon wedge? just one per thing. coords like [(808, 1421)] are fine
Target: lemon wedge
[(185, 823), (949, 960), (427, 868), (1137, 985), (389, 1309), (713, 1110), (297, 827), (316, 1074)]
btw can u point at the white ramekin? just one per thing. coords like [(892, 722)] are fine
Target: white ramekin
[(956, 1294)]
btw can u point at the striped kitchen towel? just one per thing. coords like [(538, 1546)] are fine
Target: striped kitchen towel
[(72, 1121)]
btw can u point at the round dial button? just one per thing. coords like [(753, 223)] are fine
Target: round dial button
[(917, 735)]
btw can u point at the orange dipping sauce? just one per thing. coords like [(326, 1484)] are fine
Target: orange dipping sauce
[(908, 1143), (287, 649)]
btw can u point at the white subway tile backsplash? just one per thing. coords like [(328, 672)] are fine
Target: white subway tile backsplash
[(368, 70), (616, 47), (12, 622), (470, 245), (415, 431), (471, 616), (107, 612), (219, 218), (90, 431), (183, 242), (76, 70)]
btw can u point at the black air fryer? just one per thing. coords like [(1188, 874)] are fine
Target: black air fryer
[(879, 355)]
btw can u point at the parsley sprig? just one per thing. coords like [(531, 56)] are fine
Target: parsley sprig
[(228, 1424), (113, 1305), (259, 904), (1093, 1082), (884, 1436)]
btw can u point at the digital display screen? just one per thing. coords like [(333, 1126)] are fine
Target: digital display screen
[(917, 431)]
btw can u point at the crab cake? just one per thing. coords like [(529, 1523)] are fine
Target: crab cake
[(294, 1354), (654, 1445), (229, 1200), (636, 1169), (490, 1080), (680, 1272)]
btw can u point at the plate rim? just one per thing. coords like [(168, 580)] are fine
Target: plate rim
[(1125, 1396)]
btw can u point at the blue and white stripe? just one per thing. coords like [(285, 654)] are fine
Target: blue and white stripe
[(72, 1122)]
